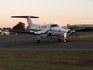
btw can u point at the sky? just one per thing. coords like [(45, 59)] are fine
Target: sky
[(61, 12)]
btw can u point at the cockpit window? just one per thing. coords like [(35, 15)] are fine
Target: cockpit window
[(54, 25)]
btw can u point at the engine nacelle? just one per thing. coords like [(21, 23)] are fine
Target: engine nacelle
[(42, 32)]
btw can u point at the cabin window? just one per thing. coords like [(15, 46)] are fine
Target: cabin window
[(44, 27), (38, 27), (54, 25)]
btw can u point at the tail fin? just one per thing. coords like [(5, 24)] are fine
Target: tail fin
[(28, 19)]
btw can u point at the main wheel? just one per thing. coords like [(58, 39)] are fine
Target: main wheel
[(59, 40), (37, 41)]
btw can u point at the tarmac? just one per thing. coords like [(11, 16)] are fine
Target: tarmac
[(28, 42)]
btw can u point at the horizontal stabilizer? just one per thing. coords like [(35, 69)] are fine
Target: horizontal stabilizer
[(24, 17)]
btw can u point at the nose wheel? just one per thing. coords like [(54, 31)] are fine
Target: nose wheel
[(65, 41)]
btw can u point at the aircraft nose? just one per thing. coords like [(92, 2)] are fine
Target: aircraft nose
[(59, 29), (62, 29)]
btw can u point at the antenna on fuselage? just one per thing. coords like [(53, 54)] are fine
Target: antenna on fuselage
[(44, 23)]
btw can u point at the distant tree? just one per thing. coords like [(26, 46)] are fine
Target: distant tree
[(27, 28), (7, 28), (19, 26)]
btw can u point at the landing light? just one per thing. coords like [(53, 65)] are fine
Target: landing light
[(65, 34)]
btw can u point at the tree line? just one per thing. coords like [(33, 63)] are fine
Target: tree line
[(19, 26)]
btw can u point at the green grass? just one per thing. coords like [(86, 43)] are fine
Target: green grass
[(84, 37), (41, 59)]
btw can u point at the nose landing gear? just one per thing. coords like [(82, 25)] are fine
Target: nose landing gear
[(64, 39)]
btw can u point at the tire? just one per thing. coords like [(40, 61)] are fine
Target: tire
[(65, 41), (37, 41), (59, 40)]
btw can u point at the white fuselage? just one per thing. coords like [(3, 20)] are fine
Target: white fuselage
[(54, 29)]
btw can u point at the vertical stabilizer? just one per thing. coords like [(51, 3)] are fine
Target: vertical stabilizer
[(30, 23)]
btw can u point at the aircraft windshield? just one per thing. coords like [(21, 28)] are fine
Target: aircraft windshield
[(54, 25)]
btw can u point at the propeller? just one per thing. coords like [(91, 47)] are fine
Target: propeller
[(50, 33), (73, 29), (72, 32)]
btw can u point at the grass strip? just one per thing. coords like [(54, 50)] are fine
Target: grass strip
[(42, 59), (88, 37)]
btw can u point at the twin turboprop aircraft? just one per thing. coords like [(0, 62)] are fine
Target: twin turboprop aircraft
[(43, 31)]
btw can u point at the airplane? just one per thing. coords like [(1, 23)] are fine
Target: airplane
[(44, 31)]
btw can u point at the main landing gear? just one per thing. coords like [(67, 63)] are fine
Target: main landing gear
[(37, 41), (59, 40)]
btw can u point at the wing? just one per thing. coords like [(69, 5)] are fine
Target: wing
[(42, 32), (25, 32)]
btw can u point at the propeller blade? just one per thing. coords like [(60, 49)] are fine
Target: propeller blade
[(76, 34)]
